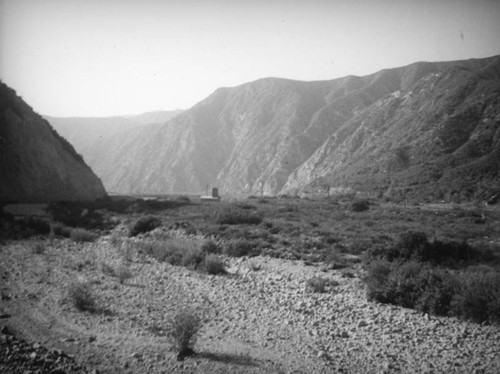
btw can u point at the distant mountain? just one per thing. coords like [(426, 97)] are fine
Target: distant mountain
[(86, 132), (36, 163), (423, 131)]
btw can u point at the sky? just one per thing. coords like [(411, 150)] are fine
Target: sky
[(117, 57)]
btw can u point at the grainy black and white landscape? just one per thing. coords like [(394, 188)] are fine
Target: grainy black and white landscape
[(279, 225)]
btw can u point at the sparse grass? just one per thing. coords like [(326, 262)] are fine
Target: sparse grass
[(143, 225), (81, 235), (81, 296), (183, 330)]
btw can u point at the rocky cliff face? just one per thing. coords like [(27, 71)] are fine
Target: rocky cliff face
[(36, 164), (435, 134), (424, 130)]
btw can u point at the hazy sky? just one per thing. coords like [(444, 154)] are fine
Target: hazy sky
[(107, 57)]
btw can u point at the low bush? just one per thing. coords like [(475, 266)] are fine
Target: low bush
[(214, 265), (175, 251), (81, 235), (78, 214), (81, 295), (416, 246), (232, 215), (478, 297), (183, 330), (473, 295), (210, 247), (59, 229), (123, 273), (317, 284), (360, 205), (253, 266), (143, 225), (38, 248), (240, 248), (107, 269), (36, 225), (192, 256)]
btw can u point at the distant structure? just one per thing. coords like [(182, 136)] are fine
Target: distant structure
[(214, 197)]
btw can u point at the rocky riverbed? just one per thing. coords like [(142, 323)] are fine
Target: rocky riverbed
[(259, 318)]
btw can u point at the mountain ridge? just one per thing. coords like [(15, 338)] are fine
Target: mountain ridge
[(399, 131)]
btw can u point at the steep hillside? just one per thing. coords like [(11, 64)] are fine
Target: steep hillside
[(36, 164), (87, 132), (436, 138), (427, 130)]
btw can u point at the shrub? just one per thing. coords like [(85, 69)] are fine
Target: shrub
[(235, 216), (317, 284), (360, 205), (214, 265), (107, 269), (115, 240), (253, 266), (478, 298), (473, 295), (123, 273), (38, 248), (77, 214), (393, 282), (175, 251), (143, 225), (36, 225), (438, 289), (80, 294), (239, 248), (192, 256), (210, 247), (81, 235), (183, 330), (415, 246), (61, 230), (377, 279)]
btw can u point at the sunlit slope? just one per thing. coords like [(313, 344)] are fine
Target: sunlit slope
[(423, 130)]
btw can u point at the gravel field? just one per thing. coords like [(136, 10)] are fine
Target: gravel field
[(259, 318)]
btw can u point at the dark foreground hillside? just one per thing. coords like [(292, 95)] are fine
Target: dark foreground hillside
[(36, 164)]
